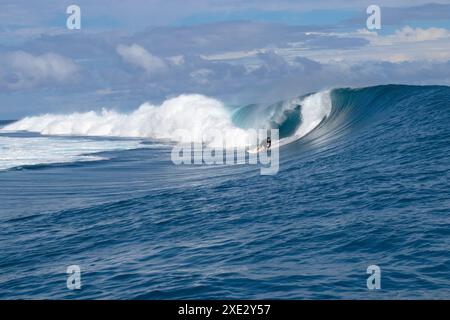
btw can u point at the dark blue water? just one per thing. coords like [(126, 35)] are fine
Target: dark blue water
[(370, 185)]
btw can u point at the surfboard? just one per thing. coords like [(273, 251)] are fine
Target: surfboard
[(257, 149)]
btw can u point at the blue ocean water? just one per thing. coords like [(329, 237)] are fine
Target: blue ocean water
[(369, 185)]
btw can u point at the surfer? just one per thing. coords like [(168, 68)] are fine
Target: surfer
[(268, 143)]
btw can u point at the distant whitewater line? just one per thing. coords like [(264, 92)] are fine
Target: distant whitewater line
[(196, 113)]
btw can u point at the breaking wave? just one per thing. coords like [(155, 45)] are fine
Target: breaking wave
[(197, 114)]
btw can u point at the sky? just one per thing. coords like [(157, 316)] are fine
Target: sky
[(253, 51)]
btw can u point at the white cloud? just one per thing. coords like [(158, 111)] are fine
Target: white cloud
[(24, 70), (138, 56), (406, 34), (202, 75), (405, 44), (419, 34)]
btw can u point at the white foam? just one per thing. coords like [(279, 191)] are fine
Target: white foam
[(17, 152), (195, 114), (315, 108)]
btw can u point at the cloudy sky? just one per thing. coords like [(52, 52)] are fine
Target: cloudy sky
[(129, 52)]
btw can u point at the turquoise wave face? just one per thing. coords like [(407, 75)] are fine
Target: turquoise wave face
[(284, 116), (368, 185)]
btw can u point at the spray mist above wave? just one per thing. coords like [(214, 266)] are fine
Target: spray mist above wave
[(194, 113)]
